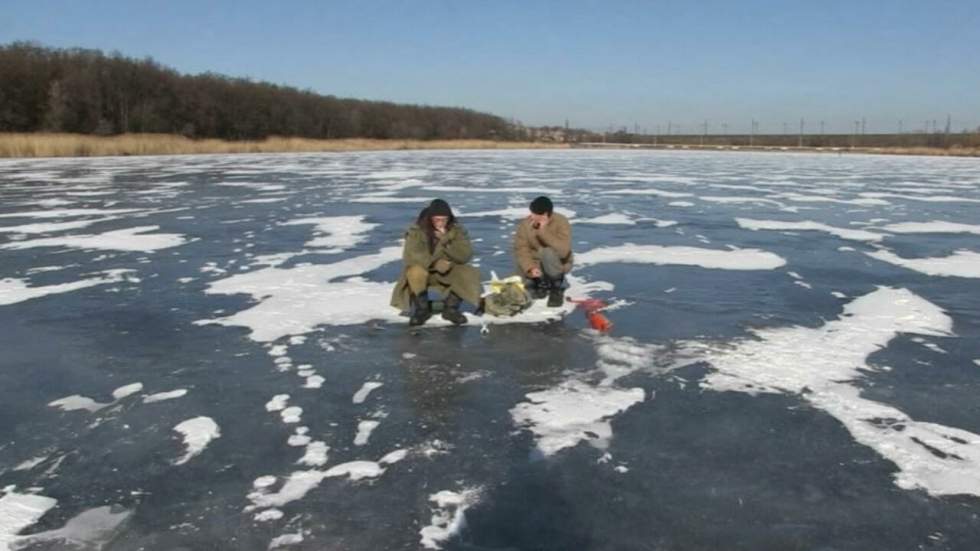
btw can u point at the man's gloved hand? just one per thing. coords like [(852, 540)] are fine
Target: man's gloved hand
[(442, 265)]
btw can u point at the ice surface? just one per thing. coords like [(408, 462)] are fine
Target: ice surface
[(762, 389)]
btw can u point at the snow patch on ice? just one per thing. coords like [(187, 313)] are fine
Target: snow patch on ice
[(364, 430), (336, 233), (198, 433), (932, 227), (285, 540), (295, 301), (18, 511), (292, 415), (365, 390), (808, 225), (422, 201), (30, 463), (648, 191), (52, 228), (277, 403), (314, 381), (316, 454), (269, 515), (66, 213), (127, 390), (961, 263), (739, 259), (448, 517), (822, 365), (161, 396), (76, 402), (475, 189), (561, 417), (300, 483), (90, 529), (613, 218), (928, 199), (129, 239), (17, 290), (512, 213)]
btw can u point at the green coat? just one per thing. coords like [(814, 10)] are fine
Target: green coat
[(462, 279)]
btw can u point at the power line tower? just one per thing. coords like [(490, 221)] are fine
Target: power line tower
[(800, 142), (821, 128), (704, 134)]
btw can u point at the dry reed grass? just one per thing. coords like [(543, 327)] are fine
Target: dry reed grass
[(80, 145)]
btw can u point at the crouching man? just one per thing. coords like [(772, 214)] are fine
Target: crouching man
[(437, 249), (543, 251)]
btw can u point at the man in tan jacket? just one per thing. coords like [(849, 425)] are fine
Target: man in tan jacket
[(543, 250)]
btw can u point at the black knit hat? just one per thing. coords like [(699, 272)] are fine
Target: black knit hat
[(438, 207), (542, 205)]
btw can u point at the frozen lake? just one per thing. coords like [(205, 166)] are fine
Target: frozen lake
[(198, 353)]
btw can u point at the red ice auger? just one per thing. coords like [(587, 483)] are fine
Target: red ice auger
[(593, 312)]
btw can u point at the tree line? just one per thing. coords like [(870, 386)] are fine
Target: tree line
[(88, 92)]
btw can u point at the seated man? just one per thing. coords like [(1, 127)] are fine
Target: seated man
[(543, 250), (436, 251)]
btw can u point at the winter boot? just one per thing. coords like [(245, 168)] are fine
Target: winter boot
[(556, 293), (421, 309), (539, 288), (450, 310)]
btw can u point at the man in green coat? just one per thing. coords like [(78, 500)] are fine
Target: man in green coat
[(437, 249)]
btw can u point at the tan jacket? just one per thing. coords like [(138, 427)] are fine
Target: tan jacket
[(528, 241)]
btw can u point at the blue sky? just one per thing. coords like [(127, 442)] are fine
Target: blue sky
[(595, 63)]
